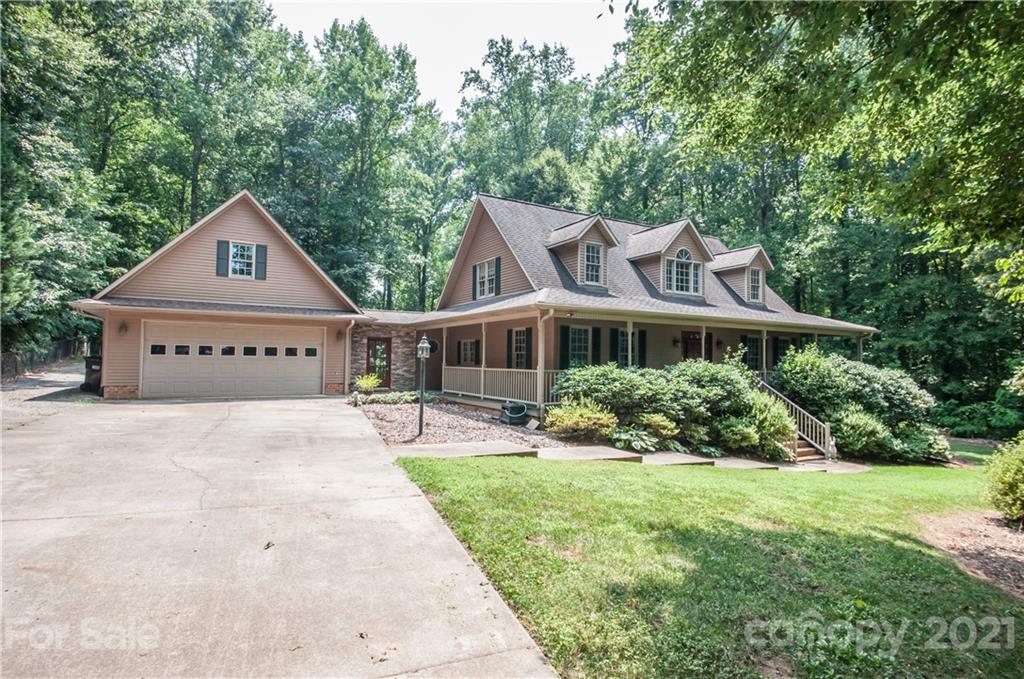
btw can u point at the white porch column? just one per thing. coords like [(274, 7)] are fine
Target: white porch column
[(483, 355), (629, 344), (541, 396), (764, 354), (703, 330), (444, 354), (860, 347), (815, 338)]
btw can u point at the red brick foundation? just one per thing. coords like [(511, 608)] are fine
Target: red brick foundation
[(334, 389), (119, 392)]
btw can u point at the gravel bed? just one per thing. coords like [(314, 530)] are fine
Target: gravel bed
[(984, 546), (449, 423)]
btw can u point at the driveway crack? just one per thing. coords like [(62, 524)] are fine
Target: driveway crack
[(207, 483)]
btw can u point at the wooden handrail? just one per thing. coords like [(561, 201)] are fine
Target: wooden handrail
[(813, 430)]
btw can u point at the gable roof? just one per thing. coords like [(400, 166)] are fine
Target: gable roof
[(741, 257), (656, 240), (527, 229), (242, 195), (573, 231)]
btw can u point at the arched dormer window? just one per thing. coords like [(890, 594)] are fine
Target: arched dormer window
[(682, 274)]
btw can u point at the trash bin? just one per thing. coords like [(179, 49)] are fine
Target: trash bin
[(513, 413), (93, 369)]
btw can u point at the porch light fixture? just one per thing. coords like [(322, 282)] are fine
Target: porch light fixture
[(423, 353), (122, 329)]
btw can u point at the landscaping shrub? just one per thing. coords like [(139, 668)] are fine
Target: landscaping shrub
[(1005, 479), (1000, 418), (921, 443), (365, 384), (813, 380), (626, 392), (861, 434), (581, 418), (658, 425), (775, 428), (397, 397), (635, 438), (736, 433)]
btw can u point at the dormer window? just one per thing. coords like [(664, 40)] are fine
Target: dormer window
[(593, 264), (682, 274), (243, 256), (755, 286)]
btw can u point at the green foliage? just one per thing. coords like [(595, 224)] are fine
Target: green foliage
[(626, 392), (815, 380), (998, 419), (546, 179), (1005, 479), (775, 428), (395, 397), (581, 418), (658, 425), (736, 433), (860, 434), (367, 382), (634, 438), (921, 443)]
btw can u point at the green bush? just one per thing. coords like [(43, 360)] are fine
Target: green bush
[(774, 426), (1005, 479), (813, 380), (397, 397), (626, 392), (635, 438), (861, 434), (921, 443), (736, 433), (365, 384), (581, 418), (658, 425), (1000, 418)]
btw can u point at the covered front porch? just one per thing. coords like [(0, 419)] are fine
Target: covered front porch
[(519, 358)]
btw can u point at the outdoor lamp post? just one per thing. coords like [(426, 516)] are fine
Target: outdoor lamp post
[(423, 353)]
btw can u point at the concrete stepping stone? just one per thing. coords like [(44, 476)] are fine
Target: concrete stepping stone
[(589, 453), (837, 467), (464, 449), (801, 467), (676, 458), (742, 463)]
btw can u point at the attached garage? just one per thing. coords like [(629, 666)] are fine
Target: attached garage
[(230, 360)]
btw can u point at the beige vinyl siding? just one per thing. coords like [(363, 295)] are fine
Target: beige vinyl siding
[(189, 270), (685, 240), (652, 267), (484, 242), (121, 358), (569, 254), (737, 280)]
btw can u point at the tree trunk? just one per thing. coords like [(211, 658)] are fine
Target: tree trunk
[(197, 160)]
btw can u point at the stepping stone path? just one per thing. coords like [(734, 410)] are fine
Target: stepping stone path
[(609, 454)]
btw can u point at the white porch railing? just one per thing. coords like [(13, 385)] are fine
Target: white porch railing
[(810, 428), (498, 383)]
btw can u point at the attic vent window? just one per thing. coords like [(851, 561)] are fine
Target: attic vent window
[(242, 260), (682, 274)]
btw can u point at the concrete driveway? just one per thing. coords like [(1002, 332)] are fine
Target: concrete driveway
[(259, 538)]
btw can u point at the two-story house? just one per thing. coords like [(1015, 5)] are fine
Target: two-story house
[(233, 307)]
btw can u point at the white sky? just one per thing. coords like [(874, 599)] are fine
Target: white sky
[(446, 38)]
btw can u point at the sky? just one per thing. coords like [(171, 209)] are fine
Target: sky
[(446, 38)]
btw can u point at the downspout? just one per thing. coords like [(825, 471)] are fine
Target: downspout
[(348, 355)]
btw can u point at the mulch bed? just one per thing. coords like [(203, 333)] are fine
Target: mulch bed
[(449, 423), (983, 545)]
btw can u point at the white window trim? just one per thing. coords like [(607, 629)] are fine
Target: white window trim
[(760, 285), (581, 261), (590, 342), (664, 278), (526, 349), (231, 268), (471, 343), (479, 268)]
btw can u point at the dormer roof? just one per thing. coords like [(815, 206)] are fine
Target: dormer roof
[(657, 239), (575, 230), (740, 258)]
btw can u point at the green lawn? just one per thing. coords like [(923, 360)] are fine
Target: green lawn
[(971, 452), (630, 571)]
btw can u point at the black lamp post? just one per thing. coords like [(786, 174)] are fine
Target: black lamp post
[(423, 353)]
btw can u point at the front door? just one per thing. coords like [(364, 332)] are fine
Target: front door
[(378, 359), (691, 345)]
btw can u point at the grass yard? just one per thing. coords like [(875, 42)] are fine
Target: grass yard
[(630, 571), (976, 453)]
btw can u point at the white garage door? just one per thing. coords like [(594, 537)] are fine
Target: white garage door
[(209, 359)]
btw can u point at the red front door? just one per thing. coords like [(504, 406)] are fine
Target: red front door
[(378, 359)]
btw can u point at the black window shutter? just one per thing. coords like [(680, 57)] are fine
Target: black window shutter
[(473, 282), (613, 345), (497, 276), (508, 349), (641, 336), (479, 358), (458, 353), (222, 258), (261, 262), (529, 348), (563, 347), (595, 346)]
